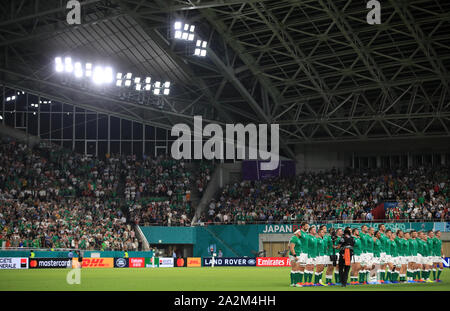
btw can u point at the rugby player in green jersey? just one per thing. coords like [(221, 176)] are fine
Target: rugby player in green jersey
[(320, 259), (329, 251), (414, 247), (366, 257), (389, 258), (400, 241), (421, 244), (356, 264), (312, 253), (384, 239), (431, 258), (304, 227), (377, 254), (295, 249), (426, 261), (372, 273), (409, 257), (392, 272), (438, 252)]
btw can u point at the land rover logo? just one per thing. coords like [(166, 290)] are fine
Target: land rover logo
[(120, 262)]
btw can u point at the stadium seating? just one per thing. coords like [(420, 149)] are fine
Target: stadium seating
[(418, 194)]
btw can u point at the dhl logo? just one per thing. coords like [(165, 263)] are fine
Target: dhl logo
[(98, 263)]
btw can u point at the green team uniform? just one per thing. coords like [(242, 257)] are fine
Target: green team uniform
[(297, 245), (437, 247), (400, 249), (321, 247), (357, 247), (406, 249), (430, 246), (377, 250), (393, 250), (387, 250), (363, 238), (369, 244), (413, 247), (312, 246), (304, 240), (328, 245), (383, 240)]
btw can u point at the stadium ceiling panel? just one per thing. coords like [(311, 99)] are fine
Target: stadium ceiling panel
[(316, 67)]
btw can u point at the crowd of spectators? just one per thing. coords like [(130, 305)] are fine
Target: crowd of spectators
[(413, 194), (50, 197)]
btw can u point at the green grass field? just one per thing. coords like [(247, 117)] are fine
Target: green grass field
[(182, 279)]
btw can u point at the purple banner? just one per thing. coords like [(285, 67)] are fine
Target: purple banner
[(251, 170)]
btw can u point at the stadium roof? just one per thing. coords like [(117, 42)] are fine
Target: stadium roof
[(316, 67)]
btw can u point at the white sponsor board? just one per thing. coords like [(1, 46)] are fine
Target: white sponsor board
[(165, 262), (13, 263)]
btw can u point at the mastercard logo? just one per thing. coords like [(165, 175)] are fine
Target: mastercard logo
[(33, 264), (180, 262)]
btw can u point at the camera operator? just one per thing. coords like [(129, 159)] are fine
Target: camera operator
[(345, 247)]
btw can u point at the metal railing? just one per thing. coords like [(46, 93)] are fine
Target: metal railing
[(283, 222)]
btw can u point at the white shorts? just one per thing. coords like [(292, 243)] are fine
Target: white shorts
[(429, 260), (327, 260), (302, 258), (311, 261), (388, 259), (376, 260), (382, 257), (436, 259), (357, 259)]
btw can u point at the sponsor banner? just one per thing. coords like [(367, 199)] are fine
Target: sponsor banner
[(166, 262), (50, 263), (194, 261), (149, 262), (137, 262), (180, 262), (290, 228), (273, 262), (98, 262), (442, 226), (13, 263), (230, 262), (446, 262), (120, 262)]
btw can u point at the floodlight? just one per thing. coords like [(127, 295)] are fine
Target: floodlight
[(98, 75), (203, 53), (148, 87), (177, 25), (108, 75), (119, 76), (197, 52), (88, 70), (119, 83), (204, 44), (148, 80), (68, 64), (127, 82), (178, 34), (185, 36), (138, 87), (8, 99), (192, 28), (186, 27), (59, 65), (34, 113), (1, 117), (199, 43), (166, 91), (78, 70), (157, 84), (129, 75), (156, 91), (167, 84), (13, 98), (137, 80), (191, 37)]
